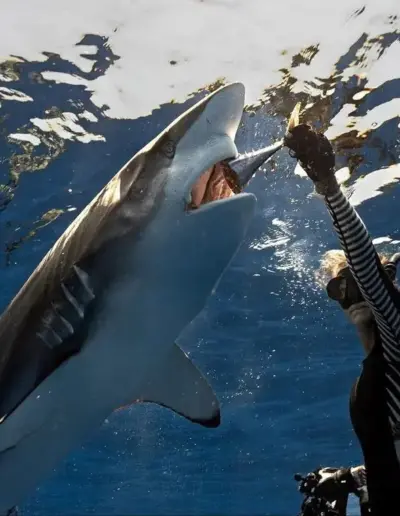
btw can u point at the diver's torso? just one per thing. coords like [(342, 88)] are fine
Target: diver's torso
[(370, 419)]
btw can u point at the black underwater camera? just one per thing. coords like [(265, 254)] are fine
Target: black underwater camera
[(314, 505)]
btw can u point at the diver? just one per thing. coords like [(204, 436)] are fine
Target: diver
[(366, 291)]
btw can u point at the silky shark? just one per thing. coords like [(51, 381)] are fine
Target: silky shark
[(94, 327)]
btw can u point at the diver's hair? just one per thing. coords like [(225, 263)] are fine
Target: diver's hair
[(334, 261)]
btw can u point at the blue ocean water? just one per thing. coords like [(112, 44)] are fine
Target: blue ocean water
[(280, 356)]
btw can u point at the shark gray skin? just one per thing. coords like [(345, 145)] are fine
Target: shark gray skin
[(94, 327)]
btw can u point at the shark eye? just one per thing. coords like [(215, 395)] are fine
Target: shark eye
[(168, 148)]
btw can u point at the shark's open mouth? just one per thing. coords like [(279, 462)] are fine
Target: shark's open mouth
[(217, 182)]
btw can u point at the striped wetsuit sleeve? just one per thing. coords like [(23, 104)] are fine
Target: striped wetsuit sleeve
[(368, 272)]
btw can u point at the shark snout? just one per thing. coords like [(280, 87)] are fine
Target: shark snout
[(246, 165), (228, 173), (229, 104), (225, 109)]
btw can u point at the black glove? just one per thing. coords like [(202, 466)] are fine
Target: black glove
[(359, 475), (337, 484), (334, 483), (315, 153)]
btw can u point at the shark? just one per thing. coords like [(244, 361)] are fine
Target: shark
[(94, 327)]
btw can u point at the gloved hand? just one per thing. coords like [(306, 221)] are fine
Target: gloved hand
[(359, 475), (315, 154), (337, 482), (334, 483)]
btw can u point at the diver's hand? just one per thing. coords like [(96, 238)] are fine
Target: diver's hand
[(315, 154), (359, 476), (334, 483)]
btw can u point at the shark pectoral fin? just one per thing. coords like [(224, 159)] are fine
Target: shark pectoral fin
[(181, 387)]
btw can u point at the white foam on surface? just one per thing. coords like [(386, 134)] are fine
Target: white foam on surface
[(370, 186), (236, 39), (66, 127), (21, 137)]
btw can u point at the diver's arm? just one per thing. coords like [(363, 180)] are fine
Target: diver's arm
[(336, 484), (366, 268), (316, 155)]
